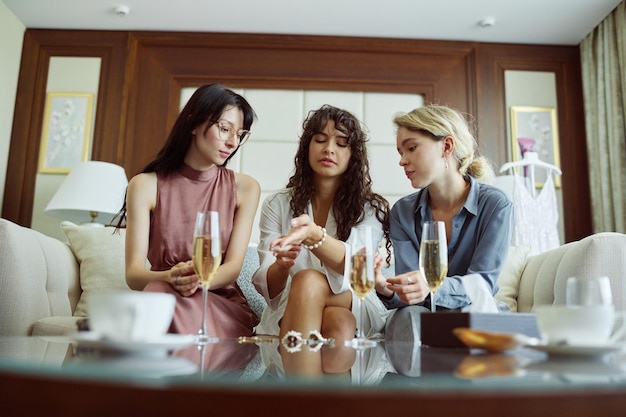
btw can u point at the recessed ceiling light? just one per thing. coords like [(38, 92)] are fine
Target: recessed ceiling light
[(122, 10), (487, 22)]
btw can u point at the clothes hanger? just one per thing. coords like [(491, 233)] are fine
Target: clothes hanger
[(531, 159)]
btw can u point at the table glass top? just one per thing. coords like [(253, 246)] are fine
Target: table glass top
[(265, 362)]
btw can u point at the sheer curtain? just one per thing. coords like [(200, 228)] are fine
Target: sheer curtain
[(603, 55)]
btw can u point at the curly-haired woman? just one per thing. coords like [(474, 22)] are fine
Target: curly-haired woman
[(304, 272)]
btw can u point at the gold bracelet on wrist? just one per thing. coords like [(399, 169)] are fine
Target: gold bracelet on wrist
[(318, 244)]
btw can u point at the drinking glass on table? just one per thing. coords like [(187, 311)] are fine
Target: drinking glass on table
[(588, 292), (207, 257), (361, 278), (433, 257)]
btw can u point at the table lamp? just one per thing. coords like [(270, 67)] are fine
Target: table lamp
[(92, 194)]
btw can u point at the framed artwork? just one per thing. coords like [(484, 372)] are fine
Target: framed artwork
[(535, 129), (66, 131)]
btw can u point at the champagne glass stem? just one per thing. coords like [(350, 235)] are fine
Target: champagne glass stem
[(360, 332), (358, 368), (202, 350), (433, 306), (205, 295)]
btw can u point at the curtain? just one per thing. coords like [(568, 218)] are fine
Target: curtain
[(603, 56)]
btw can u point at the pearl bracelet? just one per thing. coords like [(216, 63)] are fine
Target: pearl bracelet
[(318, 244)]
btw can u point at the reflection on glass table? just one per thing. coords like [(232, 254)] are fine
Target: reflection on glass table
[(398, 365)]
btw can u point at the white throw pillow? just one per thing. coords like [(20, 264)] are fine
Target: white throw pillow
[(100, 253), (508, 282)]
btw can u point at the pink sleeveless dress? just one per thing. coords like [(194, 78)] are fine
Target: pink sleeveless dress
[(179, 197)]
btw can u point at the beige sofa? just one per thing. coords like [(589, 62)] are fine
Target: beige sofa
[(43, 281)]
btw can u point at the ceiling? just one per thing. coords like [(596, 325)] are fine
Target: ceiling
[(554, 22)]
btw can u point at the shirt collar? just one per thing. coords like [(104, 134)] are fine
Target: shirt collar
[(471, 204)]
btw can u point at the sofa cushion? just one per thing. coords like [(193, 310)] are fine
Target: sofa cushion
[(249, 267), (100, 254), (508, 282), (56, 325)]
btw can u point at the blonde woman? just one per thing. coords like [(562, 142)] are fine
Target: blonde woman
[(440, 158)]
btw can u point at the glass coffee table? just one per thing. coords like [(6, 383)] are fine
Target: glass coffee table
[(60, 376)]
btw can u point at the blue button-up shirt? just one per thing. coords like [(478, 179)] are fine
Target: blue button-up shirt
[(481, 235)]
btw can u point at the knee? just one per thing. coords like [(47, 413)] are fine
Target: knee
[(338, 323)]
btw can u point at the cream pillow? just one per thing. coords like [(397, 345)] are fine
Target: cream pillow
[(508, 282), (100, 253)]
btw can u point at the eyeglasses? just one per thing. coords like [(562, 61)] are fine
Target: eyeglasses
[(226, 132)]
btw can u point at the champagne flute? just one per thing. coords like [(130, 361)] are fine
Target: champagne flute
[(207, 257), (361, 278), (433, 257)]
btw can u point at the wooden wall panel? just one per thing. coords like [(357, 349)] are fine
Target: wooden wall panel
[(440, 73), (142, 73), (39, 46)]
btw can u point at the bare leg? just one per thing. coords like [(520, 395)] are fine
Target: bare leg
[(309, 295), (338, 323)]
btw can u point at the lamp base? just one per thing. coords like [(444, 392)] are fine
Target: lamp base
[(92, 224)]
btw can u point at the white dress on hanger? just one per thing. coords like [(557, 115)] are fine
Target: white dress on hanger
[(535, 217)]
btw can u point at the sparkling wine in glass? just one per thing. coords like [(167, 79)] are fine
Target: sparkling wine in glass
[(433, 257), (361, 278), (207, 257)]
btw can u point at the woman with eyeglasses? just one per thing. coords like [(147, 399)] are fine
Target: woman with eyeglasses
[(304, 270), (189, 175)]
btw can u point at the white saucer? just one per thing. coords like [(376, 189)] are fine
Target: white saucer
[(137, 366), (165, 342), (578, 350)]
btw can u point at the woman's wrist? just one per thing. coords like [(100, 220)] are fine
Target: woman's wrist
[(387, 297), (318, 243)]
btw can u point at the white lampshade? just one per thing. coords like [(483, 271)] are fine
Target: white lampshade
[(92, 193)]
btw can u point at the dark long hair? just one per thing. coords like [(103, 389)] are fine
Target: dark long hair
[(355, 188), (207, 103)]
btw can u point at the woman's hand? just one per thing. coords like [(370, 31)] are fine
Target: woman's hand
[(286, 258), (303, 230), (183, 278), (411, 287), (380, 282)]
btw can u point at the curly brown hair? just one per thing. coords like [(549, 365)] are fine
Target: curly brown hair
[(355, 189)]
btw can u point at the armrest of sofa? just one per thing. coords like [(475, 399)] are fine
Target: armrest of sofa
[(37, 273), (544, 278)]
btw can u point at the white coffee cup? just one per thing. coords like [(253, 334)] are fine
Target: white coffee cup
[(580, 325), (130, 315)]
